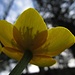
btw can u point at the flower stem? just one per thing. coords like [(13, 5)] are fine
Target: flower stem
[(22, 63)]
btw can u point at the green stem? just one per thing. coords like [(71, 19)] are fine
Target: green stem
[(22, 64)]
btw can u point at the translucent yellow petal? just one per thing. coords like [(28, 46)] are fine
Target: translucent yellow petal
[(30, 18), (59, 39), (42, 61), (17, 36), (12, 53), (29, 43), (6, 33), (39, 39), (29, 25)]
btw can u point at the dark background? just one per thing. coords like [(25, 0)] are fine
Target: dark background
[(55, 13)]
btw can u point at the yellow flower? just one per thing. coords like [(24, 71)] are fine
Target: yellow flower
[(30, 32)]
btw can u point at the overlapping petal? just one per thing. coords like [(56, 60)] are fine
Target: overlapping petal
[(28, 42), (30, 27), (59, 38), (30, 18), (39, 40), (6, 30), (43, 60), (12, 53)]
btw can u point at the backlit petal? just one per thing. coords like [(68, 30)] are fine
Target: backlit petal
[(12, 53), (39, 39), (42, 61), (30, 18), (59, 39), (18, 37), (29, 25), (6, 33), (32, 43)]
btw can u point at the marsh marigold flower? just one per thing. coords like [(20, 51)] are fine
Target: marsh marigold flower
[(30, 32)]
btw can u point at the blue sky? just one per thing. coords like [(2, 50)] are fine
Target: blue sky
[(17, 8)]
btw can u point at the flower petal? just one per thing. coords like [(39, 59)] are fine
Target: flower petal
[(30, 18), (42, 61), (12, 53), (17, 36), (6, 33), (39, 40), (59, 39), (30, 24), (29, 42)]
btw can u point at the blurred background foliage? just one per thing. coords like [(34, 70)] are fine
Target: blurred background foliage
[(55, 13)]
